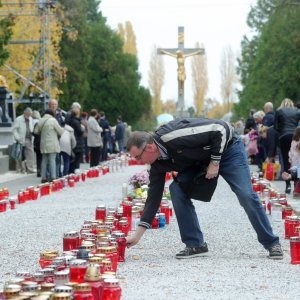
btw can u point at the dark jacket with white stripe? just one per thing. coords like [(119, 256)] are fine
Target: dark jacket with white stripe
[(186, 143)]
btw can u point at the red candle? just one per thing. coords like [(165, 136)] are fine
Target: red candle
[(165, 209), (12, 202), (77, 270), (100, 212), (71, 240), (71, 183), (83, 176), (121, 240), (3, 205), (295, 250), (111, 289), (155, 222), (83, 291)]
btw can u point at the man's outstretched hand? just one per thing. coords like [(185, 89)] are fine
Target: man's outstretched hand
[(134, 239)]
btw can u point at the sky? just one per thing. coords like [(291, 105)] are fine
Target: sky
[(214, 23)]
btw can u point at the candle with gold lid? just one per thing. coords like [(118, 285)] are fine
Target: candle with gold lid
[(93, 277), (61, 296), (83, 291)]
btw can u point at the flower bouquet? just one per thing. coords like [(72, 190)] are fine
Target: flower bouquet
[(139, 179)]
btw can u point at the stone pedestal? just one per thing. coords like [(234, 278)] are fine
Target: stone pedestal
[(6, 136)]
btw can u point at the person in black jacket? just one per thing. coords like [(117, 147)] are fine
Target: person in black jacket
[(120, 134), (106, 134), (286, 120), (74, 120), (268, 119), (199, 150)]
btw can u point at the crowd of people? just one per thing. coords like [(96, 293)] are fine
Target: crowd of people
[(55, 142), (273, 136)]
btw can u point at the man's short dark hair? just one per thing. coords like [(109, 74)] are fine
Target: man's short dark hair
[(139, 139), (102, 114)]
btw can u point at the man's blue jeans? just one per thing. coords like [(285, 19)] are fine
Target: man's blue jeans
[(235, 170)]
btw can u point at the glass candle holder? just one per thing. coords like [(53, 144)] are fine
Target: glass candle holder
[(61, 277), (165, 209), (286, 211), (83, 176), (127, 211), (83, 291), (71, 240), (111, 289), (3, 205), (93, 277), (77, 270), (71, 183), (277, 212), (155, 222), (161, 220), (121, 240), (111, 253), (124, 226), (21, 198), (101, 212), (295, 250)]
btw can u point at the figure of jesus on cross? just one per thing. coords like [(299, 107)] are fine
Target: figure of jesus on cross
[(180, 54)]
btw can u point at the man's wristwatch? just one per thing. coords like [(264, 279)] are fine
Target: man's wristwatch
[(215, 162)]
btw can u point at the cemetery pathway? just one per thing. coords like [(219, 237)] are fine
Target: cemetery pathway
[(236, 266)]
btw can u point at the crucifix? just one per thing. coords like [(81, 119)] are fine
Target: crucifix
[(180, 54)]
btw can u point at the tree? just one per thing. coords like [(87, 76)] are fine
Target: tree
[(199, 79), (74, 51), (128, 37), (113, 77), (214, 109), (156, 80), (273, 73), (228, 77), (5, 35), (169, 107)]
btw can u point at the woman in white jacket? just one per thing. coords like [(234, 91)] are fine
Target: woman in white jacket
[(94, 139), (67, 143)]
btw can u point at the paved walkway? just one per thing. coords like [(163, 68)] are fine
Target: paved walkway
[(236, 266)]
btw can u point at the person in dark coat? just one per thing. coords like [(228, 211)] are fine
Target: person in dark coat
[(120, 134), (250, 122), (268, 119), (197, 148), (106, 134), (286, 120), (74, 120)]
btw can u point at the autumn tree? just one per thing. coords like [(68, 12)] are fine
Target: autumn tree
[(169, 107), (199, 79), (28, 59), (156, 80), (214, 109), (228, 77), (128, 37)]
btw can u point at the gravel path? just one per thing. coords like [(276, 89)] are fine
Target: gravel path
[(236, 266)]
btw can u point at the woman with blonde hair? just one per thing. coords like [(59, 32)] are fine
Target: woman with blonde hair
[(286, 120)]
